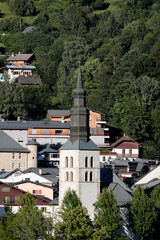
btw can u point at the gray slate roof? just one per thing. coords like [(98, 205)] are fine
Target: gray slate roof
[(19, 125), (123, 197), (80, 145), (8, 144), (32, 142), (113, 182), (48, 150), (51, 174), (58, 113)]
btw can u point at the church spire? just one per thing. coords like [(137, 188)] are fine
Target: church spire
[(79, 80), (79, 113)]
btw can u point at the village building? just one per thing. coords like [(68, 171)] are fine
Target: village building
[(126, 147), (19, 68), (13, 155), (10, 197)]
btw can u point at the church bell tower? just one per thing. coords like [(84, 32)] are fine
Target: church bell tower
[(79, 156)]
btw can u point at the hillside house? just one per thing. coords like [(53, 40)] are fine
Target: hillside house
[(19, 64), (126, 147)]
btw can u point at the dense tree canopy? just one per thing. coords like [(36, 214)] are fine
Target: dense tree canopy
[(118, 45)]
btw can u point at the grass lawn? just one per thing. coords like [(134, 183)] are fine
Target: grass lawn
[(5, 9)]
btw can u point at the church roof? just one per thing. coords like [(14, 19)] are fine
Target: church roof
[(80, 145)]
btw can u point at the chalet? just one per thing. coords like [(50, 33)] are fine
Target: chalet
[(19, 65), (20, 59), (126, 147), (98, 130)]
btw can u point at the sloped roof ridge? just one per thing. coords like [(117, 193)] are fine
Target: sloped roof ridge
[(124, 138)]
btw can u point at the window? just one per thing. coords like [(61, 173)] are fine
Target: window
[(37, 192), (45, 131), (58, 132), (86, 176), (16, 199), (71, 162), (20, 155), (130, 151), (43, 209), (103, 159), (13, 165), (34, 131), (71, 179), (123, 151), (91, 161), (5, 189), (13, 155), (67, 176), (15, 73), (54, 155), (7, 199), (90, 118), (20, 139), (90, 176), (19, 165), (66, 162), (86, 162)]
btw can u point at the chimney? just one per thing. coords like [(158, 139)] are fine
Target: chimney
[(18, 119), (40, 171), (19, 53), (62, 120), (12, 54)]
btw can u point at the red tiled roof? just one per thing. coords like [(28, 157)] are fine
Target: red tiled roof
[(124, 139), (108, 153), (128, 145)]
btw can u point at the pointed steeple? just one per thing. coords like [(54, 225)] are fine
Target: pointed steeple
[(79, 88), (79, 113), (79, 80)]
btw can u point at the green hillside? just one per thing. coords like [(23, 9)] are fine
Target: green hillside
[(118, 45)]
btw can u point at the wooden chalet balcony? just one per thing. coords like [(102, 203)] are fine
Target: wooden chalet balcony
[(97, 131)]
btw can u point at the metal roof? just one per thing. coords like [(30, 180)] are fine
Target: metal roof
[(19, 125), (58, 113), (23, 67), (48, 150)]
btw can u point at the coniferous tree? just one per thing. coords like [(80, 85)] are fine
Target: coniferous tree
[(107, 217), (75, 222), (141, 213)]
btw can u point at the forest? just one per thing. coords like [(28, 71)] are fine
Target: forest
[(118, 45)]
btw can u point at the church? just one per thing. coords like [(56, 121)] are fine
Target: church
[(80, 156)]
